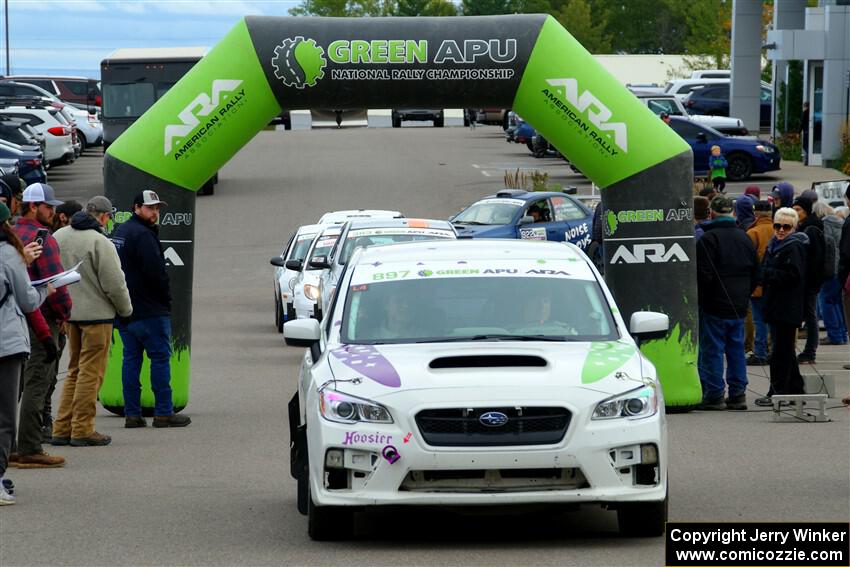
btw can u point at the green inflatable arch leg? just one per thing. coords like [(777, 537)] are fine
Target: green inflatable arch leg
[(528, 62)]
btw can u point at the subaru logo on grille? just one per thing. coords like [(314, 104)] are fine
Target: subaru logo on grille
[(493, 419)]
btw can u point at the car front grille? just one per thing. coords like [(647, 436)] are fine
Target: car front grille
[(463, 427)]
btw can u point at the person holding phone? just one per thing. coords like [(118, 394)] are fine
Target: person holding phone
[(38, 206), (17, 297)]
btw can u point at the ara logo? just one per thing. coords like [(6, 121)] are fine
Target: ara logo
[(171, 257), (203, 105), (654, 253), (598, 113), (299, 62)]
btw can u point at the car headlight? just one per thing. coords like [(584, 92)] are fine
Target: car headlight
[(636, 404), (343, 408), (312, 292), (764, 149)]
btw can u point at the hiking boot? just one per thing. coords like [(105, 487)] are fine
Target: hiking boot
[(8, 485), (134, 422), (754, 360), (712, 405), (738, 402), (172, 420), (60, 441), (829, 342), (765, 402), (40, 461), (94, 440), (805, 358)]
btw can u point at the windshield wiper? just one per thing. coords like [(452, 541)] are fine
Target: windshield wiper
[(499, 337), (470, 222)]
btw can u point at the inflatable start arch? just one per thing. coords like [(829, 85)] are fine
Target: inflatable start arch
[(529, 63)]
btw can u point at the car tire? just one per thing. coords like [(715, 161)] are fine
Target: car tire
[(739, 168), (642, 519), (278, 315), (396, 120), (505, 121), (530, 146), (439, 121), (328, 523), (83, 143)]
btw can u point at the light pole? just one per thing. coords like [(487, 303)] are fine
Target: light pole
[(6, 9)]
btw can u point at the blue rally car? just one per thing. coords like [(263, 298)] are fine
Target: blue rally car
[(527, 215)]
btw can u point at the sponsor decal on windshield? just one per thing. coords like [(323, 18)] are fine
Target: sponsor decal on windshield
[(401, 230), (495, 200), (370, 274)]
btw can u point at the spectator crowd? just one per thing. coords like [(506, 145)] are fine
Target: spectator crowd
[(123, 285), (767, 269)]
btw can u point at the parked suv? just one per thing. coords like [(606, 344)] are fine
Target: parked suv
[(76, 90), (58, 134), (713, 100)]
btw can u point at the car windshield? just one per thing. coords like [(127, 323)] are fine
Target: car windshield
[(301, 247), (490, 211), (450, 309), (363, 237), (324, 245), (659, 105)]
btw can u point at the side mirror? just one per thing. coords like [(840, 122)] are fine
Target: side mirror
[(320, 263), (527, 219), (277, 261), (648, 325), (301, 332), (294, 265), (701, 137)]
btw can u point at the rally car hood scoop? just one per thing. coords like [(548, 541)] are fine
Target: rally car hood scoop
[(488, 361), (609, 367)]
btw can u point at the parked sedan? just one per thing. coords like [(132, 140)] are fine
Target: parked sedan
[(30, 162), (745, 155), (527, 215), (418, 114), (713, 100)]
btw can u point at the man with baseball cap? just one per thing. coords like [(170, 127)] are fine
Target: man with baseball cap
[(149, 328), (97, 298), (38, 206), (727, 270)]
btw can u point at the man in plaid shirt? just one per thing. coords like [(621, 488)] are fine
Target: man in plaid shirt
[(37, 211)]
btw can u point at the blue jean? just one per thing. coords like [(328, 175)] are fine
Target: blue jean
[(760, 343), (718, 338), (152, 336), (832, 310)]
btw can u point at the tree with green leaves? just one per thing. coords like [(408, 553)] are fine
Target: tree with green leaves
[(486, 7), (591, 32)]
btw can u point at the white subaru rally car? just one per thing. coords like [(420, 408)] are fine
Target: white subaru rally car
[(476, 372)]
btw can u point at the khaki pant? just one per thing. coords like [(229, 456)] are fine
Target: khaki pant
[(88, 346)]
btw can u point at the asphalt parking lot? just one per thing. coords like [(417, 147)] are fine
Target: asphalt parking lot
[(219, 491)]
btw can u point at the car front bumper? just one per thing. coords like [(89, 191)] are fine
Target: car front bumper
[(591, 459)]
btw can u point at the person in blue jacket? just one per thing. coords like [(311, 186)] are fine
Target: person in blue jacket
[(148, 330)]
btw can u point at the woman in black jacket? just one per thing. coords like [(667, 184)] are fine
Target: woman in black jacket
[(784, 284)]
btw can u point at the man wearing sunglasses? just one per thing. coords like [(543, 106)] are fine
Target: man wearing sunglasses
[(100, 294)]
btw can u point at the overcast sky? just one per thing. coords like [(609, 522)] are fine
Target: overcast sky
[(73, 36)]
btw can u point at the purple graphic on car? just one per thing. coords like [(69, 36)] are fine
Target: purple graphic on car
[(366, 360)]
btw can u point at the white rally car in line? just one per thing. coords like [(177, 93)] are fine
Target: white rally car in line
[(305, 285), (287, 267), (476, 372), (363, 233)]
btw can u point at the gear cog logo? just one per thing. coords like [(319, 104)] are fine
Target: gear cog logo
[(299, 62)]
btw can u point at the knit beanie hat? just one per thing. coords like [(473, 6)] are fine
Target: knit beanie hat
[(753, 190), (804, 203)]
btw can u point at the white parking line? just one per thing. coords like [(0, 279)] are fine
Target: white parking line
[(476, 166), (485, 173)]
